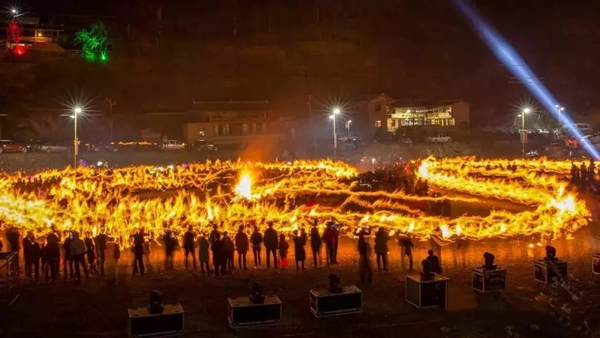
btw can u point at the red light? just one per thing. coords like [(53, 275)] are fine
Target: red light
[(20, 50)]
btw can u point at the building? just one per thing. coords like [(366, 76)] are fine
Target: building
[(441, 114), (232, 122)]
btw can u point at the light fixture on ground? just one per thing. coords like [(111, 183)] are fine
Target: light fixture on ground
[(523, 130), (336, 111)]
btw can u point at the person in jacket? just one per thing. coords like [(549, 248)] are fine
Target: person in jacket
[(436, 266), (90, 251), (283, 250), (270, 238), (381, 248), (315, 243), (218, 254), (241, 244), (31, 253), (214, 234), (229, 250), (364, 260), (78, 255), (329, 240), (189, 246), (299, 251), (67, 256), (138, 252), (203, 255), (52, 250), (170, 244), (406, 246), (256, 239), (100, 240)]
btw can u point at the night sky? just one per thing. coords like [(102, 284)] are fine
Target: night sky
[(285, 50)]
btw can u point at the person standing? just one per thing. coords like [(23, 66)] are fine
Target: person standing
[(52, 250), (229, 250), (214, 234), (315, 244), (12, 236), (299, 251), (170, 243), (241, 244), (68, 257), (90, 251), (336, 237), (117, 256), (256, 238), (364, 260), (203, 254), (78, 255), (381, 248), (138, 252), (218, 256), (28, 253), (189, 246), (329, 240), (101, 240), (271, 245), (283, 250), (406, 246)]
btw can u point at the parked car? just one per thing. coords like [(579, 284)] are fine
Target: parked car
[(103, 147), (7, 146), (203, 146), (439, 138), (173, 145), (51, 147)]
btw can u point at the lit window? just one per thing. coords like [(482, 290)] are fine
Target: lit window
[(377, 124), (201, 132)]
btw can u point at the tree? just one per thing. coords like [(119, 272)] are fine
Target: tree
[(93, 43)]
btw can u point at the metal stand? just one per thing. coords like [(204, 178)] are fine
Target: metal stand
[(9, 278)]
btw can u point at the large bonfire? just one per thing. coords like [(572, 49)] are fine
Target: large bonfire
[(291, 195)]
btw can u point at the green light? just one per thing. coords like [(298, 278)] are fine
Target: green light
[(93, 43)]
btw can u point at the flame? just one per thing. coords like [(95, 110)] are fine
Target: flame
[(235, 193)]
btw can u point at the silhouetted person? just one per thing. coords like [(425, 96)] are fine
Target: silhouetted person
[(315, 244), (381, 248), (31, 253), (229, 248), (90, 251), (214, 234), (283, 250), (329, 240), (299, 251), (574, 174), (68, 257), (271, 244), (78, 255), (336, 237), (101, 240), (189, 246), (170, 244), (13, 237), (256, 238), (406, 246), (138, 252), (117, 256), (219, 259), (434, 261), (583, 176), (52, 250), (241, 245), (203, 255), (364, 259)]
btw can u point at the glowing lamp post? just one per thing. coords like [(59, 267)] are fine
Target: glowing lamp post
[(76, 111), (336, 111), (559, 109), (523, 130), (348, 126)]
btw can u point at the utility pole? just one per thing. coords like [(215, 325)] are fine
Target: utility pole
[(111, 103)]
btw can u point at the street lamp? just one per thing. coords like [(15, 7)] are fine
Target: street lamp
[(76, 111), (348, 126), (336, 111), (523, 131), (560, 109)]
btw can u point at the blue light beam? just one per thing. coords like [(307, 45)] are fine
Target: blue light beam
[(511, 59)]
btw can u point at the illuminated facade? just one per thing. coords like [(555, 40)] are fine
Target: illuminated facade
[(442, 114)]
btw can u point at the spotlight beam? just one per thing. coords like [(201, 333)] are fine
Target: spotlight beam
[(513, 61)]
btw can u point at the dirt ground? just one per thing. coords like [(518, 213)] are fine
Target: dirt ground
[(98, 307)]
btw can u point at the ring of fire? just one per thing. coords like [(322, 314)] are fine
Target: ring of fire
[(235, 193)]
